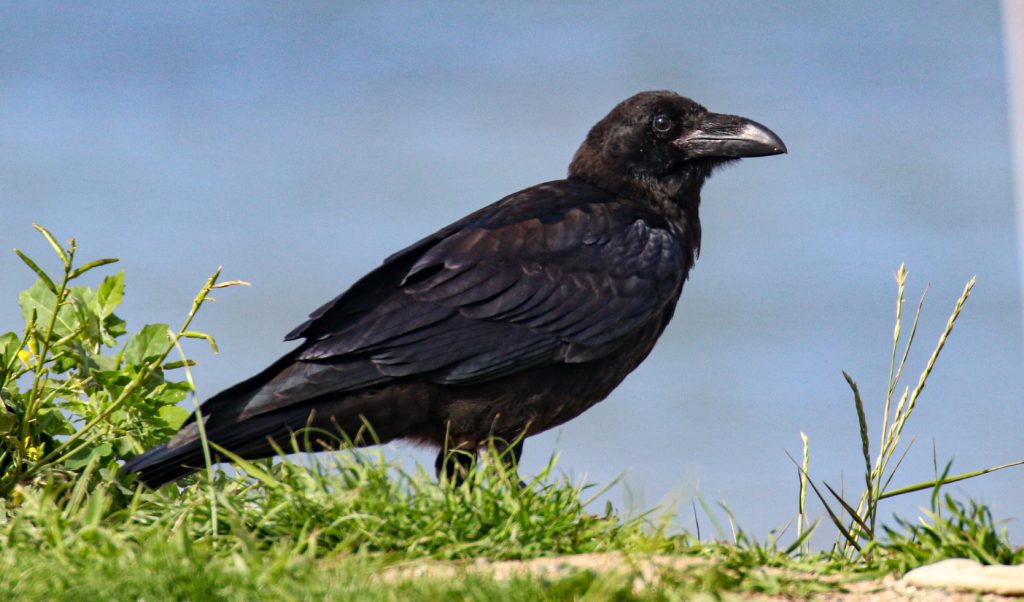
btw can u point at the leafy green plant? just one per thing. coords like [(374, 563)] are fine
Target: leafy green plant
[(75, 389)]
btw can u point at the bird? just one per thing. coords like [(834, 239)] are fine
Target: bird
[(510, 321)]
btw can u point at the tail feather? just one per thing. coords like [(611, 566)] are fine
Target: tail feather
[(183, 455), (251, 417), (165, 464), (252, 438)]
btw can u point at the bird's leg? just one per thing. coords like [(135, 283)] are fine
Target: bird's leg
[(454, 465), (510, 454)]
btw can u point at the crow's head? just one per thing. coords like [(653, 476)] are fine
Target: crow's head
[(657, 144)]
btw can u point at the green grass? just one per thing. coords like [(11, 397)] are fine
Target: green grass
[(167, 572), (328, 531), (79, 394)]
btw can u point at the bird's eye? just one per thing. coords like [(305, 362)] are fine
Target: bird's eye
[(662, 123)]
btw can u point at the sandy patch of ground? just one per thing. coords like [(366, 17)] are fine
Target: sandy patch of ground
[(948, 581)]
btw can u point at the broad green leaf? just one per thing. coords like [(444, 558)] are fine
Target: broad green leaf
[(86, 305), (121, 417), (124, 446), (169, 393), (174, 416), (85, 456), (54, 422), (115, 327), (10, 344), (41, 300), (8, 421), (99, 361), (112, 380), (110, 293), (66, 361), (147, 344)]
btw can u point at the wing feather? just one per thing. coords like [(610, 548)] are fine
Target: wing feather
[(561, 272)]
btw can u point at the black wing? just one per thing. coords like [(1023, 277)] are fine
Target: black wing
[(560, 272)]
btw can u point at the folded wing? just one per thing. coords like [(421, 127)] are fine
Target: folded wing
[(551, 274)]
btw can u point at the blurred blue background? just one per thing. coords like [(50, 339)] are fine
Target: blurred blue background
[(298, 145)]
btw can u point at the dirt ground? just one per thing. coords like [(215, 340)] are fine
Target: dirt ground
[(951, 581)]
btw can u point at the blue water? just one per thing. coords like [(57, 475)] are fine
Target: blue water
[(298, 146)]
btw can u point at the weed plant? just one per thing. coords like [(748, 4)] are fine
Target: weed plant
[(859, 533)]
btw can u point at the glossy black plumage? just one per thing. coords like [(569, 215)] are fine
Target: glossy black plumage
[(506, 323)]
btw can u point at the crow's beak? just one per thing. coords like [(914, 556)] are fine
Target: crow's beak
[(729, 136)]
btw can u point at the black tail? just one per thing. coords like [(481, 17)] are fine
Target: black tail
[(257, 437), (164, 464), (251, 417), (183, 455)]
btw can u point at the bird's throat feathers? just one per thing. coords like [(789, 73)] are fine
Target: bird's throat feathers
[(678, 202), (675, 196)]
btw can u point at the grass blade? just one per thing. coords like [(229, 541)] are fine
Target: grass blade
[(250, 469), (802, 507), (853, 513), (835, 519), (948, 479), (863, 424)]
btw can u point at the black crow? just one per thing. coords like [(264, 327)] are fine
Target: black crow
[(508, 322)]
